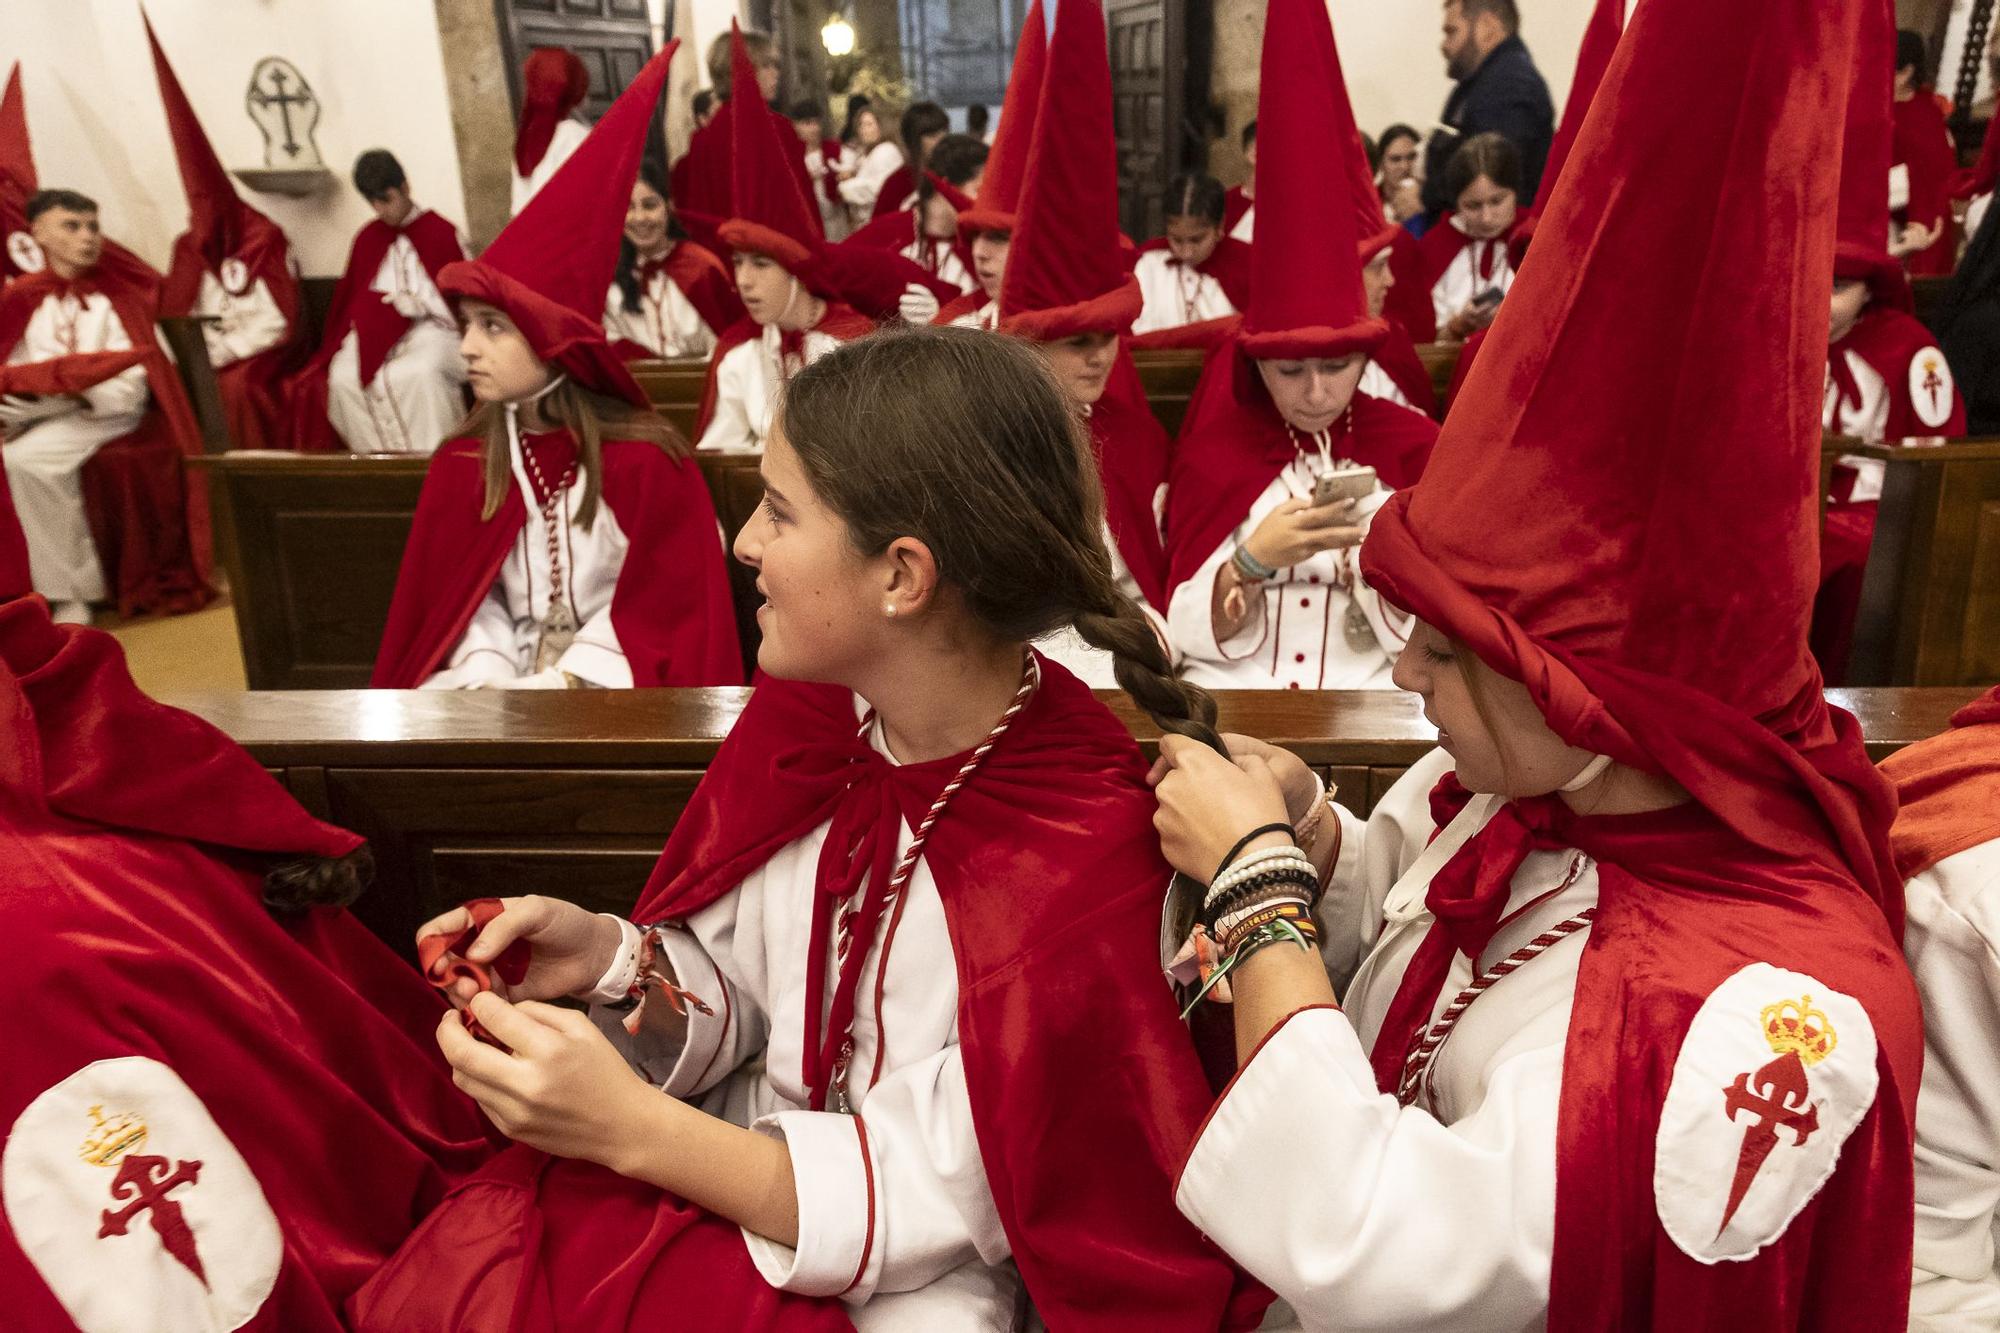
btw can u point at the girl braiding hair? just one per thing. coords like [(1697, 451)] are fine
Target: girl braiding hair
[(992, 470)]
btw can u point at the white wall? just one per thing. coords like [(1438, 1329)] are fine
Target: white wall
[(1389, 52), (376, 66)]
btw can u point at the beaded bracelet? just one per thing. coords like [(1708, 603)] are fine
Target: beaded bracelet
[(1272, 883), (1256, 863)]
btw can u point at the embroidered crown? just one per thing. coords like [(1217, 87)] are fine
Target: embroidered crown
[(110, 1139), (1796, 1027)]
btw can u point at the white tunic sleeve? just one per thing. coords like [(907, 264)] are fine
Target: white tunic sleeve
[(865, 186), (1954, 922), (736, 380), (890, 1199), (596, 656), (1365, 1215), (489, 650)]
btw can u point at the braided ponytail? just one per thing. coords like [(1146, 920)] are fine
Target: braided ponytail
[(1140, 663)]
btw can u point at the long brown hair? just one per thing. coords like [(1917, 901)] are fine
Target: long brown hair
[(591, 418), (992, 469)]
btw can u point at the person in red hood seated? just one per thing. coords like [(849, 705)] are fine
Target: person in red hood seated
[(564, 539), (1631, 1044), (1466, 261), (802, 1096), (52, 315), (1194, 272), (1282, 460), (670, 296)]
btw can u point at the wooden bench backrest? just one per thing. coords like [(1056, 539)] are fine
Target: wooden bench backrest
[(573, 794)]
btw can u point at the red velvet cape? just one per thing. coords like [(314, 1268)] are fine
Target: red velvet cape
[(1889, 340), (1397, 356), (253, 393), (896, 190), (1235, 204), (358, 307), (700, 180), (1133, 455), (1084, 1086), (671, 607), (149, 525), (1436, 251), (1923, 144), (1948, 789), (1234, 442), (839, 321), (1228, 264), (705, 281), (308, 1042), (1409, 299)]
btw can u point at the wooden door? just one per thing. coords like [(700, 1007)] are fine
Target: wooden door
[(1148, 89), (960, 52), (613, 38)]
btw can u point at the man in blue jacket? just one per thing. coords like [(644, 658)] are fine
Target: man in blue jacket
[(1498, 90)]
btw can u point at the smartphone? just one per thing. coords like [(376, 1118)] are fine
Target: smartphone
[(1488, 299), (1347, 483)]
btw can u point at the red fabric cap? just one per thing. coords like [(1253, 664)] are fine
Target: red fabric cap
[(220, 225), (764, 189), (550, 268), (1305, 278), (1862, 244), (553, 84), (1066, 269), (1007, 164), (1635, 458)]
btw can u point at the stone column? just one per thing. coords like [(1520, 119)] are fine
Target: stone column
[(482, 115)]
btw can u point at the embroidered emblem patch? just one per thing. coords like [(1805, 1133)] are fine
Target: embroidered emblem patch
[(235, 276), (1931, 387), (1776, 1071), (24, 252), (120, 1169)]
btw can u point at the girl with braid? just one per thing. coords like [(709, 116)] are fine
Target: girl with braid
[(884, 1042)]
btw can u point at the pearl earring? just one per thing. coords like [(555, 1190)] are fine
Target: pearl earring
[(889, 609)]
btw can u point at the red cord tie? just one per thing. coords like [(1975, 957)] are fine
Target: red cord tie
[(443, 960)]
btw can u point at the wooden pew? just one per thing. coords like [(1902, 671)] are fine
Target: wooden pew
[(1930, 599), (1169, 377), (573, 794), (314, 542), (675, 388)]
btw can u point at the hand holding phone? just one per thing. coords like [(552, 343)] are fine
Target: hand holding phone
[(1343, 485)]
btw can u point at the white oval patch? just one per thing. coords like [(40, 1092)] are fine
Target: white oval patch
[(1931, 389), (235, 276), (24, 252), (1776, 1072), (133, 1206)]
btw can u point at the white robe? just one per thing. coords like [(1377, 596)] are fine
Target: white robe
[(568, 137), (1295, 635), (1952, 940), (1331, 1194), (833, 217), (1375, 382), (1172, 300), (938, 1257), (666, 322), (986, 317), (864, 187), (940, 259), (500, 641), (746, 389), (415, 400), (1246, 226), (238, 327), (1460, 282), (44, 466), (1975, 213)]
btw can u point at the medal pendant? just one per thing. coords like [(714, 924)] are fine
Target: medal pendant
[(1354, 627), (558, 633)]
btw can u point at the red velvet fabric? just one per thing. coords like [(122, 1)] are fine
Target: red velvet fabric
[(1593, 57), (1948, 789), (358, 308), (553, 84), (550, 267), (962, 305), (999, 200), (763, 188), (706, 282), (1409, 299), (1889, 340), (15, 579), (701, 180), (897, 189), (1867, 150), (1628, 473), (306, 1040), (1305, 287), (1133, 455), (150, 527), (1923, 144), (671, 608), (1066, 269), (1234, 442)]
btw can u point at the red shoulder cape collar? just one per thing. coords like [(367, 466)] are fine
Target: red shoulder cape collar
[(1948, 789)]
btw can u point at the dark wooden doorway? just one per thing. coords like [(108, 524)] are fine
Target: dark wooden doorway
[(613, 38), (1152, 89)]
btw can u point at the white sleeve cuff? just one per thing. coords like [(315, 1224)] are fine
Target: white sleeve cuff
[(834, 1176), (707, 1033)]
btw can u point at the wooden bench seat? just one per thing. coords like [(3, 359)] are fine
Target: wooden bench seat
[(573, 794)]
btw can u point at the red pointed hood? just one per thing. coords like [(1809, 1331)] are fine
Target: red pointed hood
[(220, 225), (768, 215), (999, 201), (17, 174), (1373, 232), (14, 577), (1622, 512), (1305, 275), (1862, 247), (550, 268), (1067, 272), (553, 84)]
